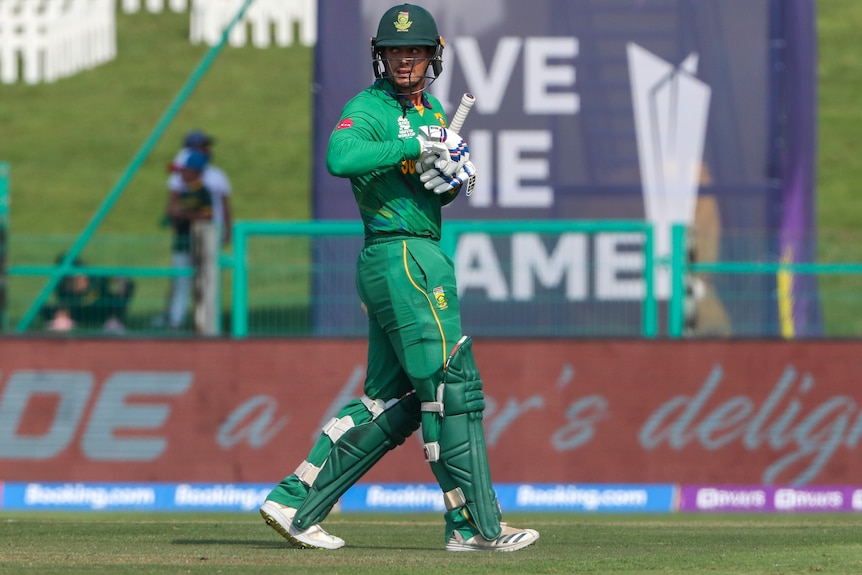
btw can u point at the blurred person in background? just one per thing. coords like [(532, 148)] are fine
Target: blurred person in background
[(89, 301), (190, 202), (214, 178), (216, 181)]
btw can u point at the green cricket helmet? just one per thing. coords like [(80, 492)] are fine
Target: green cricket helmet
[(407, 25)]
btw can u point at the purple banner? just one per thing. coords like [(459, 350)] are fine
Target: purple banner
[(728, 498), (797, 95), (669, 112)]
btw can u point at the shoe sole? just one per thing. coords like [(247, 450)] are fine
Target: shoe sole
[(514, 547), (294, 542)]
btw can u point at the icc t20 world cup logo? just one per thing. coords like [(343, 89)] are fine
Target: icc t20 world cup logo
[(671, 107)]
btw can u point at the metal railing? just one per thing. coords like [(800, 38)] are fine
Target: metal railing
[(277, 286), (780, 273), (452, 230)]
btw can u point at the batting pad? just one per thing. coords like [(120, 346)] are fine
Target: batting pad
[(463, 459), (355, 452)]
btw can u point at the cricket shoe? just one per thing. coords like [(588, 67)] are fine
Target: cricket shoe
[(510, 539), (280, 518)]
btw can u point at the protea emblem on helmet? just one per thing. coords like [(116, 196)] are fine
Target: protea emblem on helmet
[(403, 23)]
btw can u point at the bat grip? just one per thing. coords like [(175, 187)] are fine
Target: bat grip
[(467, 101)]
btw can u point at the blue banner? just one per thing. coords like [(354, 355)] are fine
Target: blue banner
[(517, 497), (74, 496), (359, 498), (693, 112)]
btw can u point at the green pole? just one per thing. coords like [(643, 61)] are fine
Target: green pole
[(650, 313), (677, 281), (239, 306), (4, 245), (121, 184), (4, 193)]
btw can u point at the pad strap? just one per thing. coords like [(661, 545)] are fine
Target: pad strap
[(307, 472), (454, 499), (435, 406), (377, 406), (432, 451), (338, 427)]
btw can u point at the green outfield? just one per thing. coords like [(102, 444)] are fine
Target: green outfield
[(94, 543)]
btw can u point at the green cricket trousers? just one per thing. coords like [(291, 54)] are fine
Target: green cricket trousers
[(414, 320)]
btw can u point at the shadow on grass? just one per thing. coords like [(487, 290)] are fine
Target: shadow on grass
[(257, 544)]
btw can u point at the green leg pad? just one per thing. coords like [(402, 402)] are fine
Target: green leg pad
[(463, 454), (292, 491), (353, 454)]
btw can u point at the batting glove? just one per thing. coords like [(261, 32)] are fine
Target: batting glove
[(448, 158), (432, 139), (440, 183), (422, 167)]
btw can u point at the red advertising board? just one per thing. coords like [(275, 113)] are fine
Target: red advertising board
[(735, 412)]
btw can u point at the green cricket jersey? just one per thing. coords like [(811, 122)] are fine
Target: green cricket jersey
[(375, 145)]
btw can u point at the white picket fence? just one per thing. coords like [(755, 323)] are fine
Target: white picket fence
[(44, 40), (266, 22), (129, 6)]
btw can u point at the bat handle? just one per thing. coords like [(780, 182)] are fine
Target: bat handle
[(467, 101)]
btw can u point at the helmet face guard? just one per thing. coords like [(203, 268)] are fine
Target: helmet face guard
[(407, 25), (435, 62)]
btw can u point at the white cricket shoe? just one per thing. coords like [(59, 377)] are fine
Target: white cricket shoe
[(510, 539), (280, 518)]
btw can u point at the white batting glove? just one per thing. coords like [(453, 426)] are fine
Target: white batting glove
[(450, 157), (422, 167), (432, 139), (440, 183)]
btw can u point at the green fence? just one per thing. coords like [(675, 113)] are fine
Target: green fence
[(836, 293), (268, 290), (281, 273)]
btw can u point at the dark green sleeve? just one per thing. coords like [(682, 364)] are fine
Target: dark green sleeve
[(359, 146)]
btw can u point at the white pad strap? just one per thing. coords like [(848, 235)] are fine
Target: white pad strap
[(454, 499), (307, 473), (338, 427), (374, 406), (432, 452), (377, 406), (434, 406)]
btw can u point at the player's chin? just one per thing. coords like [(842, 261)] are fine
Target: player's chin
[(407, 82)]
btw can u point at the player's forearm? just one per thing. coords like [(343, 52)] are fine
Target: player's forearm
[(350, 157)]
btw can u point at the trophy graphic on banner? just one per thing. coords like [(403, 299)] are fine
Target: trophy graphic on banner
[(671, 107)]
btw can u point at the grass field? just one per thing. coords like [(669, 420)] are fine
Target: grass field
[(412, 544), (69, 142)]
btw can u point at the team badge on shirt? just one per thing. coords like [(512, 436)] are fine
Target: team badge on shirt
[(440, 297), (345, 123)]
